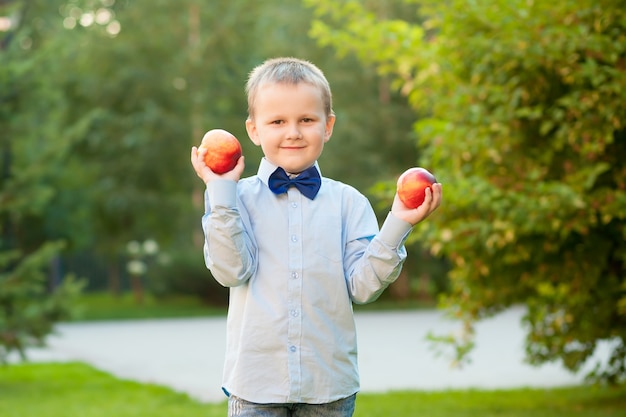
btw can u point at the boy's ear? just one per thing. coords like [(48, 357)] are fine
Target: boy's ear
[(330, 123), (252, 132)]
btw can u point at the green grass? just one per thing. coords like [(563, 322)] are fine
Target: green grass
[(562, 402), (395, 305), (105, 306), (77, 390)]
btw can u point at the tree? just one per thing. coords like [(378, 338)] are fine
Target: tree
[(124, 88), (133, 137), (521, 116), (374, 123), (30, 301)]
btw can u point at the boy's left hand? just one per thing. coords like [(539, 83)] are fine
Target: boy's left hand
[(432, 200)]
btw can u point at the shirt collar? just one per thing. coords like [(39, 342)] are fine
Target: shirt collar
[(266, 168)]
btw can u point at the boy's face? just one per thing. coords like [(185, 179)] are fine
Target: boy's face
[(290, 124)]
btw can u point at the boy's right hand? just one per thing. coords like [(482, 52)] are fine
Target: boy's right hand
[(205, 173)]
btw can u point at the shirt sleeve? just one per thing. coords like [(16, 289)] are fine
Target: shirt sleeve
[(373, 263), (228, 250)]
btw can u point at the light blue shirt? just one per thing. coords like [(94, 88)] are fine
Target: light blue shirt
[(294, 266)]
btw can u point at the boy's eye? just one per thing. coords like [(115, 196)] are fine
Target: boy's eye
[(277, 122), (307, 120)]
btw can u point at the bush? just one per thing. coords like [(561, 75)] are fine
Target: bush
[(28, 310)]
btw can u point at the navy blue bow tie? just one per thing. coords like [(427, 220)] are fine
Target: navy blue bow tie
[(308, 182)]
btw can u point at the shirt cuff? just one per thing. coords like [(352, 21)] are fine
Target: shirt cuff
[(394, 231), (222, 193)]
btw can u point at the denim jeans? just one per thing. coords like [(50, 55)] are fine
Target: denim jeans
[(242, 408)]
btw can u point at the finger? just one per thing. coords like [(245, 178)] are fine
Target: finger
[(428, 199), (238, 169), (241, 162), (437, 194), (194, 158)]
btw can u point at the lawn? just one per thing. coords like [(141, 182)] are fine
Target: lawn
[(105, 306), (78, 390)]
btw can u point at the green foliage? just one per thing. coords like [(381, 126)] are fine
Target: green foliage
[(373, 129), (69, 390), (28, 311), (522, 113), (186, 274), (31, 159), (106, 104)]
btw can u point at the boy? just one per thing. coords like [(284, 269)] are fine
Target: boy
[(295, 255)]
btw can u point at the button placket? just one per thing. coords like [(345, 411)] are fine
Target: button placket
[(294, 290)]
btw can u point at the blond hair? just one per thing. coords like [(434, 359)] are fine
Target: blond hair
[(287, 70)]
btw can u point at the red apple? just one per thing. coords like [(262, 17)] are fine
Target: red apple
[(412, 186), (223, 150)]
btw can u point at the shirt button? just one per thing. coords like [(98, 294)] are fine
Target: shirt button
[(294, 238), (292, 348), (294, 204), (294, 275), (294, 313)]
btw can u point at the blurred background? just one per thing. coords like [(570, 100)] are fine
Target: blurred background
[(517, 107), (104, 100)]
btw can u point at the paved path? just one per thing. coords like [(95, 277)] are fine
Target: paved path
[(187, 354)]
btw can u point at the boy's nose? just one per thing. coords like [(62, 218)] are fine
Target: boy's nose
[(294, 133)]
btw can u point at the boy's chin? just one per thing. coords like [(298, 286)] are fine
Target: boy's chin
[(297, 170), (294, 168)]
